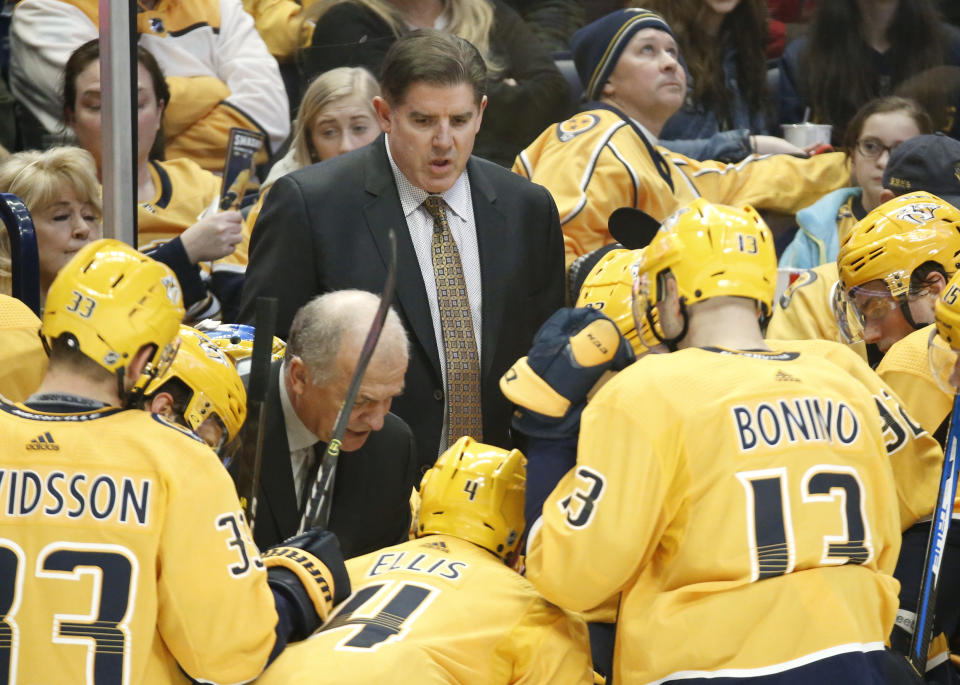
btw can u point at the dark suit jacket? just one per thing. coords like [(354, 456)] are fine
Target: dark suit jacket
[(325, 228), (371, 492)]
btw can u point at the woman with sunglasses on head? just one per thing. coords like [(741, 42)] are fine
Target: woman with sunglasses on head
[(876, 129)]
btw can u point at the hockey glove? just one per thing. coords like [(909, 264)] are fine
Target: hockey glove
[(308, 571), (571, 353)]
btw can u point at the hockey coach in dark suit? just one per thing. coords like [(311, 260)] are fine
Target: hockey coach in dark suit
[(377, 467), (480, 251)]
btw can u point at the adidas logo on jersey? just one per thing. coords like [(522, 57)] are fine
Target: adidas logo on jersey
[(784, 376), (440, 544), (44, 441)]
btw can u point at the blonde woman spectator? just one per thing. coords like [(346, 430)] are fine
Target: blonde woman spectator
[(336, 116), (60, 189)]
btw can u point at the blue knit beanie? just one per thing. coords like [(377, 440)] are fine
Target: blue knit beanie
[(597, 46)]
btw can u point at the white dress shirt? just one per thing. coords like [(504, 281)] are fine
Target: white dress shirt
[(463, 229), (299, 438)]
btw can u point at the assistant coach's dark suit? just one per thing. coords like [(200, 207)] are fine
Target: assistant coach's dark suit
[(371, 493), (325, 227)]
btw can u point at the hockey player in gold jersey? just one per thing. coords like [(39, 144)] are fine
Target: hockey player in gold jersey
[(608, 156), (890, 267), (893, 264), (922, 368), (727, 479), (923, 163), (444, 607), (201, 390), (124, 555)]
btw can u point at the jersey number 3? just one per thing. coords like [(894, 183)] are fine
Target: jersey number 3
[(104, 632)]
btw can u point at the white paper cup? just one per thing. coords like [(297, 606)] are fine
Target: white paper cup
[(805, 135)]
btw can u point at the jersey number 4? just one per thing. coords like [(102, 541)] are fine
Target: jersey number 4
[(404, 602), (770, 525), (104, 632)]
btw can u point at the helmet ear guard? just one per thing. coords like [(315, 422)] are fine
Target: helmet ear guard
[(475, 492), (112, 301)]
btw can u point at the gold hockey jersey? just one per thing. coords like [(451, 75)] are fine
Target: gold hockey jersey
[(183, 192), (769, 497), (915, 455), (23, 360), (906, 368), (123, 555), (804, 310), (598, 161), (439, 610), (218, 69)]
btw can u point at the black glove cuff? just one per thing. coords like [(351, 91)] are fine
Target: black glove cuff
[(303, 616)]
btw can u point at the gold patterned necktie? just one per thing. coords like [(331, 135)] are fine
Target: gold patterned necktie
[(456, 326)]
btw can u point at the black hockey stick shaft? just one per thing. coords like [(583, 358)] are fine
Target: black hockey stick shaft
[(24, 258), (317, 511), (251, 434), (936, 544)]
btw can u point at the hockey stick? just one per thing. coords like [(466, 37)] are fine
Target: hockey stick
[(25, 264), (936, 543), (317, 511), (251, 433)]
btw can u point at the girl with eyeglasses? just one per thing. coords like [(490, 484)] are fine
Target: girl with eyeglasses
[(874, 131)]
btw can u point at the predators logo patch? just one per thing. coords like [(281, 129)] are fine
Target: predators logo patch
[(918, 213), (797, 280), (573, 127)]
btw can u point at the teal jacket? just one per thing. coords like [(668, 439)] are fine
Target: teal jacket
[(817, 241)]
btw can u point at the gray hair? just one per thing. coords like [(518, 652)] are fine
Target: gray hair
[(328, 321)]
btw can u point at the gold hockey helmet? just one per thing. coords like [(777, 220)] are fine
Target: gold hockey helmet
[(211, 376), (609, 289), (111, 300), (947, 312), (943, 346), (887, 246), (475, 492), (897, 237), (712, 250)]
